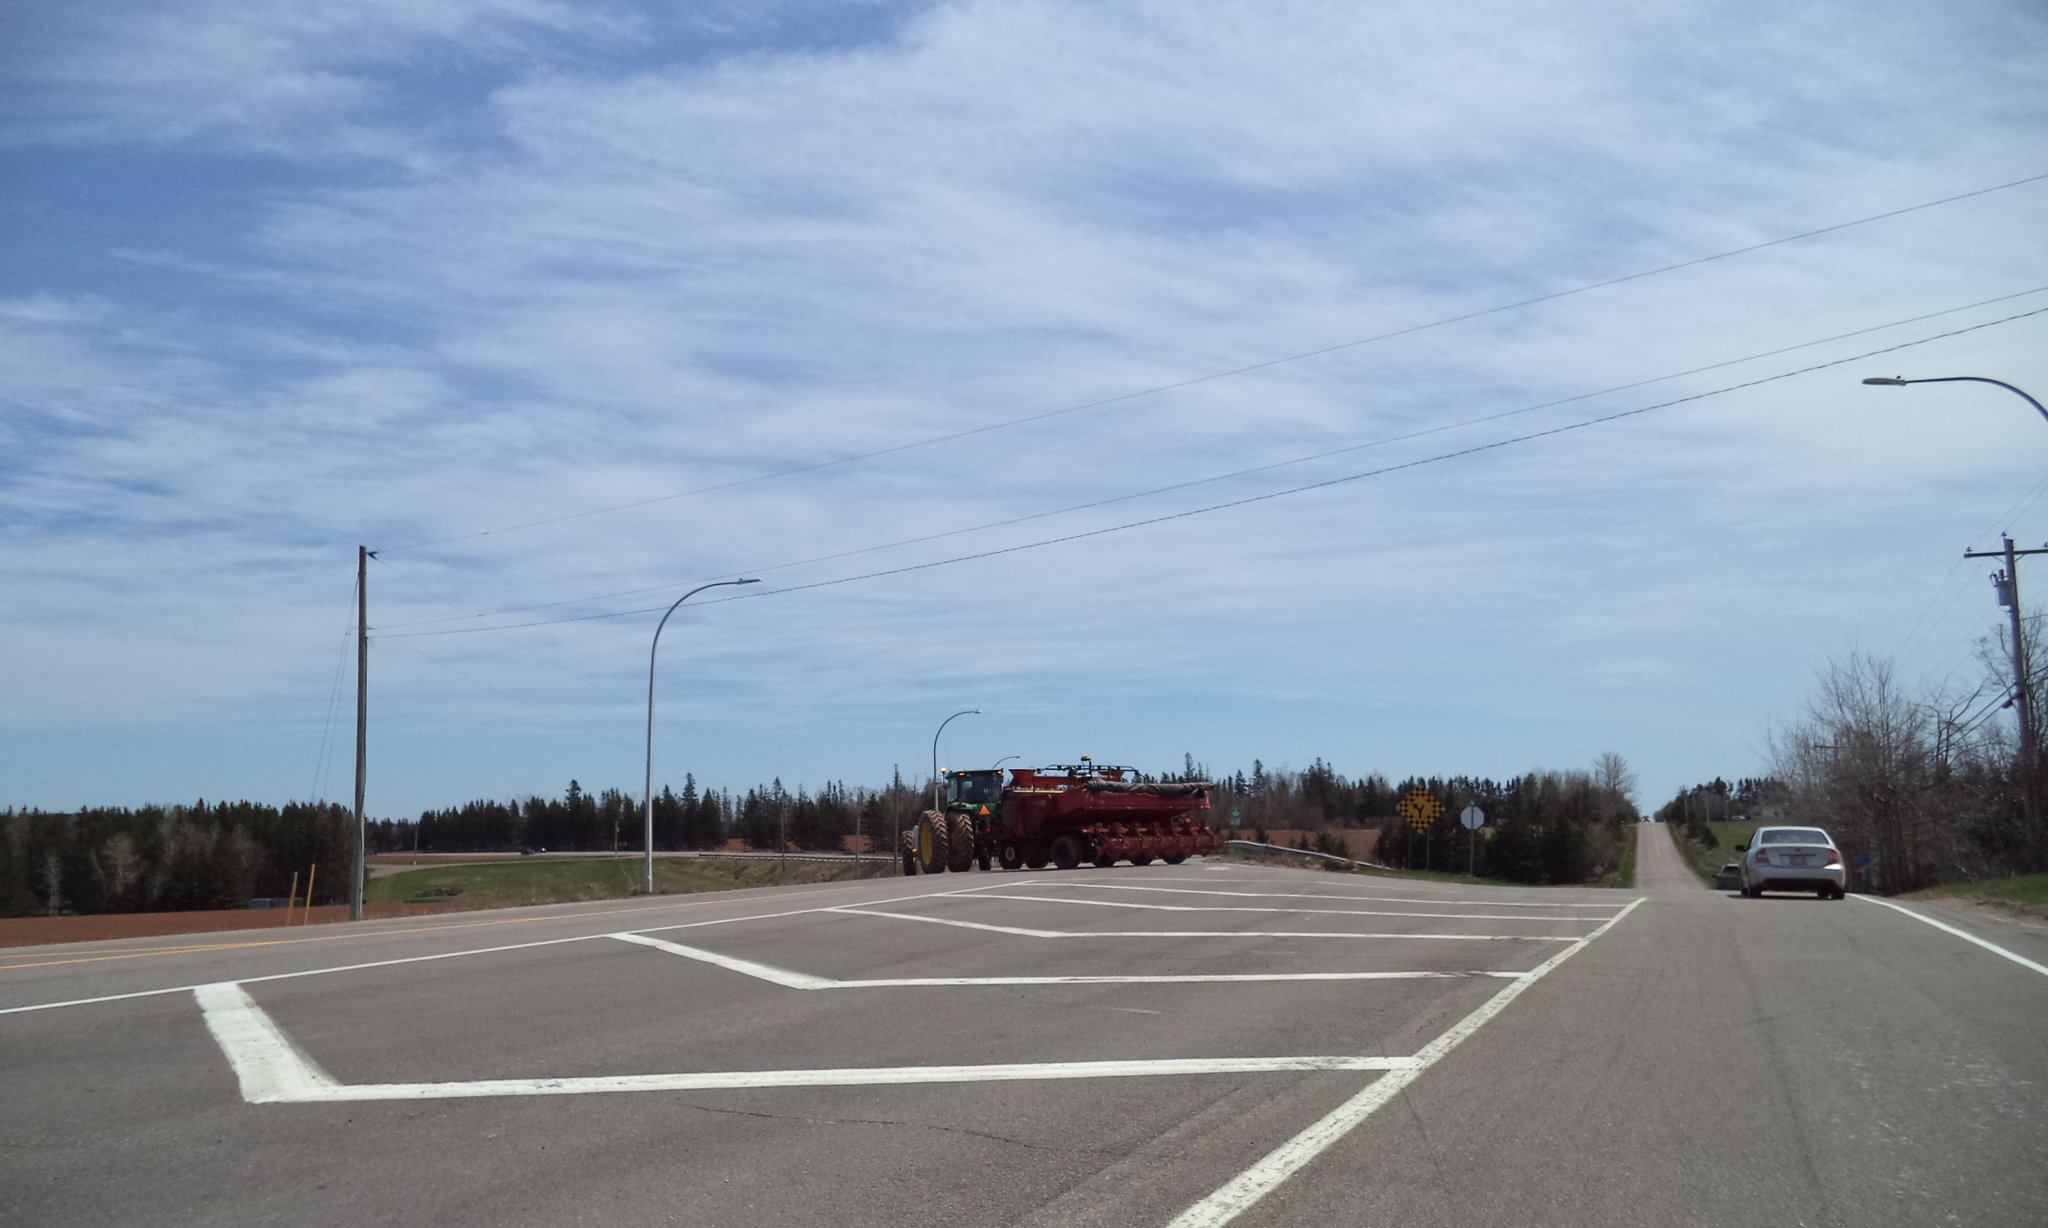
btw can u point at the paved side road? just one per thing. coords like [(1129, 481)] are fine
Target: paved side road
[(1191, 1046)]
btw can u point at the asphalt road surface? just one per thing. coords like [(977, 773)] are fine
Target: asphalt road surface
[(1187, 1046)]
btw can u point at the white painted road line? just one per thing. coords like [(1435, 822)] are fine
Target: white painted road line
[(1305, 895), (1992, 947), (269, 1066), (858, 910), (422, 959), (1243, 1191), (745, 967), (1314, 912), (288, 976), (273, 1071), (803, 980)]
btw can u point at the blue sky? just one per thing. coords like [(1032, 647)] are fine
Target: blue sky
[(768, 289)]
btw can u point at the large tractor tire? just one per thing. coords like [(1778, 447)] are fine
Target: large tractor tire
[(931, 842), (1066, 852), (960, 842), (906, 850)]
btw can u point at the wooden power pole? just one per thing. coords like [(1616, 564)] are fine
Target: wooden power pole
[(355, 892), (2008, 584)]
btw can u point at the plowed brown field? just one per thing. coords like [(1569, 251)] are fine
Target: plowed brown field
[(33, 931)]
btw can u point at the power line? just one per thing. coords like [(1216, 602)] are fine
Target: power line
[(1229, 373), (1458, 454), (321, 761), (1236, 473)]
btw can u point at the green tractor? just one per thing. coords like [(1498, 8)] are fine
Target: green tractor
[(957, 836)]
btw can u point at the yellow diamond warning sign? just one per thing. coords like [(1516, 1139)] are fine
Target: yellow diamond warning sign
[(1421, 809)]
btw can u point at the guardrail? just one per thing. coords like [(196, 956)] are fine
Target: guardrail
[(1281, 848), (770, 855)]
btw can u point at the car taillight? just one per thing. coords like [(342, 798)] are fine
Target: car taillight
[(1834, 858), (1763, 858)]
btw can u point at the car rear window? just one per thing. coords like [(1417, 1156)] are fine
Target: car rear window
[(1796, 835)]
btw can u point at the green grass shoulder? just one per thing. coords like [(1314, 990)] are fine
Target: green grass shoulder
[(510, 883), (2026, 894)]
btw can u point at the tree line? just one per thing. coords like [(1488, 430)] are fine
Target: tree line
[(1549, 827), (172, 858), (1927, 783)]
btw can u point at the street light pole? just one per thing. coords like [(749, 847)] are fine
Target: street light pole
[(648, 811), (936, 804), (2009, 594)]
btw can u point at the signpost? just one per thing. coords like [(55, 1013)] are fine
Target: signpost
[(1473, 818), (1422, 810)]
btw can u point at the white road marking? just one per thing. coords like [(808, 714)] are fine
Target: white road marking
[(287, 976), (1305, 895), (270, 1067), (745, 967), (1992, 947), (1314, 912), (421, 959), (1243, 1191), (857, 910), (273, 1071), (804, 980)]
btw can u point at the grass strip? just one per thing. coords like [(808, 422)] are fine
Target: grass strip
[(566, 880), (2026, 894), (1707, 860)]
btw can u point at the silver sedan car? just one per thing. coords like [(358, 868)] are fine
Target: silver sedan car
[(1793, 859)]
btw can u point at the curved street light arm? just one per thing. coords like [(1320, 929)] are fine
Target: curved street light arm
[(1896, 381), (935, 749), (647, 806)]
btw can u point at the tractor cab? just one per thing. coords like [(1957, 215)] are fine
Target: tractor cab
[(973, 790)]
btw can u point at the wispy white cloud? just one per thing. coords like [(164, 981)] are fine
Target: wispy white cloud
[(610, 254)]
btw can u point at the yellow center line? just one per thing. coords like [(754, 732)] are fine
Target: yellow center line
[(699, 902)]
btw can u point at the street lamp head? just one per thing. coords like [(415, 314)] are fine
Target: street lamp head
[(1887, 379), (746, 581)]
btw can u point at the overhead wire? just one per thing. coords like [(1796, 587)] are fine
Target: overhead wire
[(1244, 472), (524, 647), (1210, 377), (2004, 520), (321, 761), (1438, 458)]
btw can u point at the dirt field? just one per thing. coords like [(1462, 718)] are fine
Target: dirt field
[(34, 931)]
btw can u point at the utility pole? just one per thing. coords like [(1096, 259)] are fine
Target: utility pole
[(2008, 584), (363, 556)]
